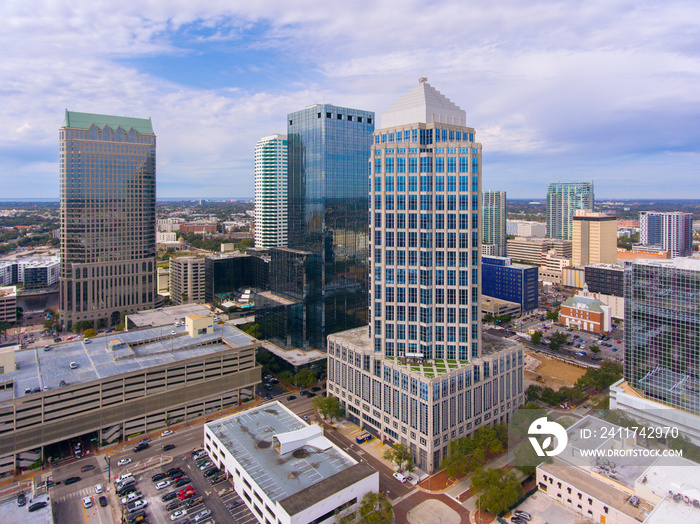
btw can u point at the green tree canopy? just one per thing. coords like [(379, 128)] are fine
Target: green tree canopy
[(376, 509), (536, 337), (400, 455), (556, 340), (329, 407), (498, 489), (305, 377)]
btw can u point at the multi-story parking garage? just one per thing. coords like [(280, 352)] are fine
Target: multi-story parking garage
[(120, 385)]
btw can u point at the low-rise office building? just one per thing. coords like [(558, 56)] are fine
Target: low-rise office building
[(631, 487), (187, 277), (285, 470), (504, 280), (8, 304), (121, 385), (584, 312)]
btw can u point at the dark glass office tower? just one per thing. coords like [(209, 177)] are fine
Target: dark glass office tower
[(662, 330), (328, 151), (108, 217)]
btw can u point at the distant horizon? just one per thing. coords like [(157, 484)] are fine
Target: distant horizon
[(542, 200)]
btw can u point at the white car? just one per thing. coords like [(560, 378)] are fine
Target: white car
[(163, 484), (178, 514), (98, 488), (124, 462), (87, 502), (167, 432), (172, 332)]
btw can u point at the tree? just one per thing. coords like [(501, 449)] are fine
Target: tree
[(595, 349), (533, 392), (88, 333), (329, 407), (81, 326), (4, 326), (376, 509), (536, 337), (488, 317), (305, 378), (553, 315), (400, 454), (498, 489), (557, 340), (254, 330), (285, 376)]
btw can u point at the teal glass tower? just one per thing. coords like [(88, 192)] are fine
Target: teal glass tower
[(563, 199), (328, 148)]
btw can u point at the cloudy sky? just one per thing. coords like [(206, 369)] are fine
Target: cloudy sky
[(602, 90)]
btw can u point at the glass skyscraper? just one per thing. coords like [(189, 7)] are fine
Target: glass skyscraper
[(327, 152), (662, 330), (271, 192), (563, 199), (108, 217), (494, 222), (420, 372)]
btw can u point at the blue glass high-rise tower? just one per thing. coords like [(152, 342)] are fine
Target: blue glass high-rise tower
[(328, 148)]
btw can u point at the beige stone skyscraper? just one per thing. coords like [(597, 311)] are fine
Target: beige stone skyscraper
[(594, 238), (108, 217)]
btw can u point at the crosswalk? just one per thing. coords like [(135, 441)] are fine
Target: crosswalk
[(81, 493)]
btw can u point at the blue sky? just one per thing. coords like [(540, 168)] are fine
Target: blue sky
[(602, 90)]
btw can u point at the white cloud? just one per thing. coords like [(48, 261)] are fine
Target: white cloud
[(541, 81)]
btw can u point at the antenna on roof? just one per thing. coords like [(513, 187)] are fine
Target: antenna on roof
[(422, 79)]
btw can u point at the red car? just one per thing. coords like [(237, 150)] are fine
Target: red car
[(186, 493)]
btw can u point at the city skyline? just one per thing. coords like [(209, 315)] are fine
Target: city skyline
[(569, 96)]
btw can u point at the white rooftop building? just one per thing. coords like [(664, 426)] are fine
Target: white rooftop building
[(285, 470)]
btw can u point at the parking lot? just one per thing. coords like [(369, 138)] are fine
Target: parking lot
[(223, 508), (545, 510)]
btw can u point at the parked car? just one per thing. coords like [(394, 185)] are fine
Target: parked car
[(400, 477), (103, 501), (178, 514), (522, 514), (202, 515), (158, 477), (162, 484), (172, 506), (182, 482), (195, 502), (173, 471), (169, 496), (208, 473), (36, 506), (315, 388), (87, 502), (98, 488), (291, 397)]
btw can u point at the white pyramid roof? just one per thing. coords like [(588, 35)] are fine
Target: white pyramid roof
[(423, 104)]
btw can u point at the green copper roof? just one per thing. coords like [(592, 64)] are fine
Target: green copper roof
[(85, 120)]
